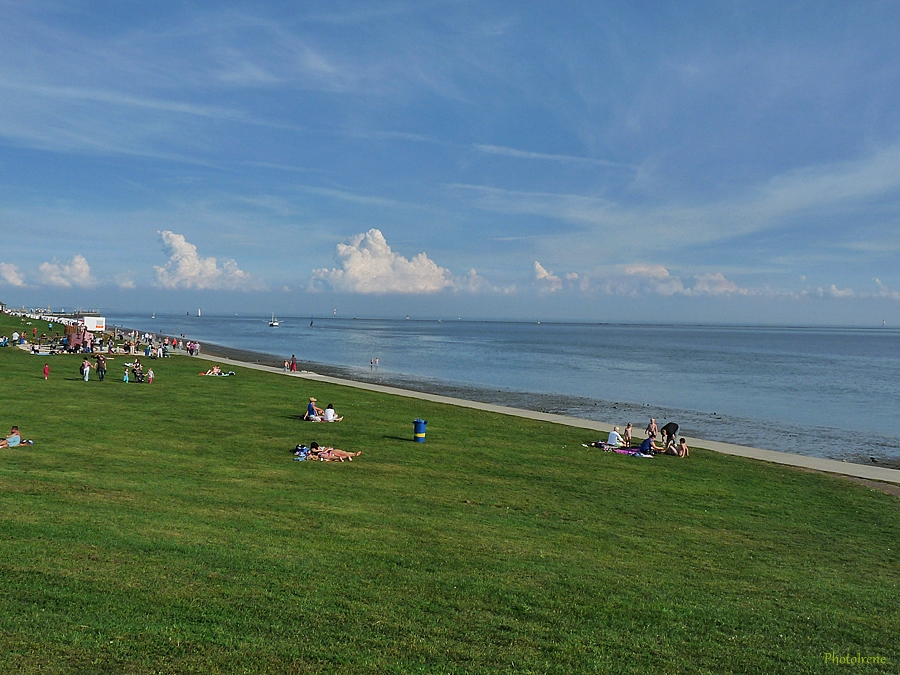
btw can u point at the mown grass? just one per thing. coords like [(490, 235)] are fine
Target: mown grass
[(164, 528)]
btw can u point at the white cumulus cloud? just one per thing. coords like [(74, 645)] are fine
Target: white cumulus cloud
[(883, 291), (76, 272), (715, 284), (186, 269), (545, 280), (366, 264), (10, 274), (636, 279), (835, 292)]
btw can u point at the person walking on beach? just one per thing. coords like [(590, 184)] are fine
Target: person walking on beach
[(150, 376), (125, 377), (101, 367), (293, 363), (86, 369)]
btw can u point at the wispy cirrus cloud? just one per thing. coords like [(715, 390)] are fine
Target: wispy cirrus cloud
[(504, 151), (824, 189)]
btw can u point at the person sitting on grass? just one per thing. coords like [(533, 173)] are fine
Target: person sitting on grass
[(615, 440), (683, 449), (313, 414), (330, 415), (14, 439), (330, 454), (671, 447), (649, 446)]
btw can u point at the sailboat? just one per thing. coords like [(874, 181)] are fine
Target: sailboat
[(198, 311), (154, 315), (274, 321)]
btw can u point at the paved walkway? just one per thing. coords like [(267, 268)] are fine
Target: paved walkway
[(864, 471)]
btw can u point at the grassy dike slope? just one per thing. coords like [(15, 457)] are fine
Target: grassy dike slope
[(165, 529)]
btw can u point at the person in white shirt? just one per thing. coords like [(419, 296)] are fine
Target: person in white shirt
[(331, 415), (615, 439)]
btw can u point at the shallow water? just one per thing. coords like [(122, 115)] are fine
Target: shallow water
[(829, 392)]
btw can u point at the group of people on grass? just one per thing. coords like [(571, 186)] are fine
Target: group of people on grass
[(315, 453), (316, 414), (623, 442), (14, 439)]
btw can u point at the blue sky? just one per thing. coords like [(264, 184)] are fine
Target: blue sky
[(683, 161)]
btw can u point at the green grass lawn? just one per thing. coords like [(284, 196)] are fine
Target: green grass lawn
[(164, 528)]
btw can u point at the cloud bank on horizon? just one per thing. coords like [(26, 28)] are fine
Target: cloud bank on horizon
[(499, 156)]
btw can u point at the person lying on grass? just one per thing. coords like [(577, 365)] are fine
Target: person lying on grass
[(330, 454), (14, 439)]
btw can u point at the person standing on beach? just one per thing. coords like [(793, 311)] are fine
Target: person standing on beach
[(150, 376), (293, 363), (652, 430), (46, 371)]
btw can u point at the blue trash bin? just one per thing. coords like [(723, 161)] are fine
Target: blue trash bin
[(419, 430)]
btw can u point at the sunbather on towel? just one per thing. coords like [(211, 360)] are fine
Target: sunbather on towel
[(14, 439), (331, 454)]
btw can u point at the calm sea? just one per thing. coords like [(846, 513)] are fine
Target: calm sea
[(830, 392)]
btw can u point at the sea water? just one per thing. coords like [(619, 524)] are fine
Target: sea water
[(830, 392)]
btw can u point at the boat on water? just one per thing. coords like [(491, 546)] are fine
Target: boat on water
[(274, 321)]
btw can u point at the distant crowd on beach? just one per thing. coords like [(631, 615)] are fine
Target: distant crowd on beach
[(624, 443)]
